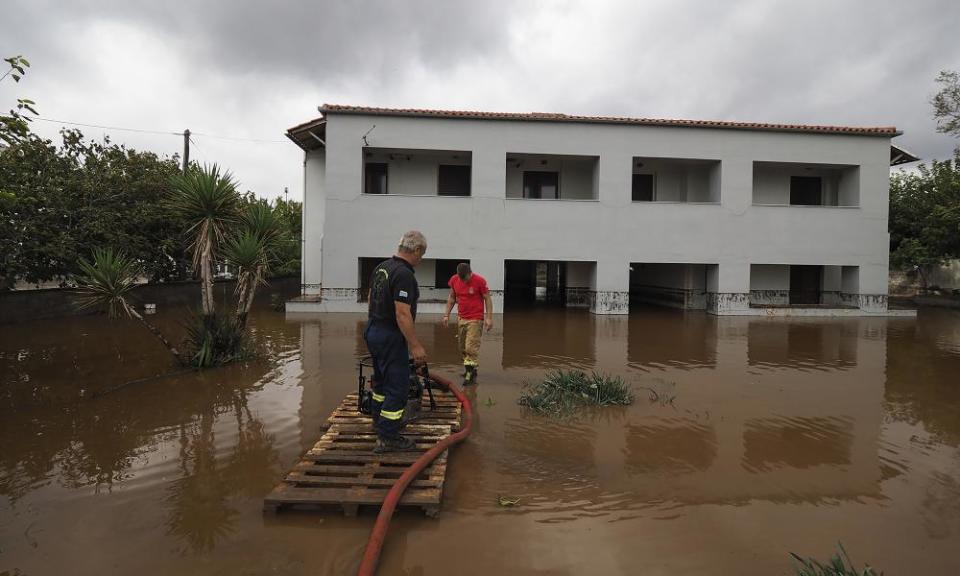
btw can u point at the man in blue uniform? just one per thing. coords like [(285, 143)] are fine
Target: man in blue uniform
[(391, 339)]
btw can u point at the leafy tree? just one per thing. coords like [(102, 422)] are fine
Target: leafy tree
[(946, 103), (15, 127), (925, 215), (58, 203)]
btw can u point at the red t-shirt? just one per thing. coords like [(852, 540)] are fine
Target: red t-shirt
[(469, 296)]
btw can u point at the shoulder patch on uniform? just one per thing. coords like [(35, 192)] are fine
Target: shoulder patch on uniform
[(403, 293)]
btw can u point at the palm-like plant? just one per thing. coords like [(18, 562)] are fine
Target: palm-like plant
[(251, 251), (106, 283), (207, 199)]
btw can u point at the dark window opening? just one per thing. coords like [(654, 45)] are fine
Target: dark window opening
[(445, 270), (643, 187), (806, 191), (805, 284), (541, 185), (453, 180), (375, 178)]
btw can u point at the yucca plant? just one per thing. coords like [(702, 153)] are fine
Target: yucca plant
[(208, 200), (215, 340), (245, 251), (106, 283), (251, 250)]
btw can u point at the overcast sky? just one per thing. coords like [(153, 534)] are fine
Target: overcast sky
[(244, 69)]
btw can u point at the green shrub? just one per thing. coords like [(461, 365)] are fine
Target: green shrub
[(562, 392)]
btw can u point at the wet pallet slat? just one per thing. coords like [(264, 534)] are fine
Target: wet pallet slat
[(342, 470)]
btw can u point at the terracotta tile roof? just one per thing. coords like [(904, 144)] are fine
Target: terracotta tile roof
[(551, 117)]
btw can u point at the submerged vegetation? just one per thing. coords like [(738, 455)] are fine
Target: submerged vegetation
[(562, 392), (839, 565)]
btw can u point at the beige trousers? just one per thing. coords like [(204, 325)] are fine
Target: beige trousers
[(468, 339)]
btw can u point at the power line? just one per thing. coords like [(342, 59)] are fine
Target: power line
[(165, 133), (107, 127)]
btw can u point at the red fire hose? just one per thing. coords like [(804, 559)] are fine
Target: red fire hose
[(372, 554)]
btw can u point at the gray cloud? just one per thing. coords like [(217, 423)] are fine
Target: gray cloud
[(252, 69)]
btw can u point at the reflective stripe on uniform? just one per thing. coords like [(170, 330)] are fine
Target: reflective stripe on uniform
[(378, 397), (392, 414)]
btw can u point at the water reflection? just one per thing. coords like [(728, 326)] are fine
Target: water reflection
[(672, 338), (853, 418), (799, 443), (803, 343), (548, 337)]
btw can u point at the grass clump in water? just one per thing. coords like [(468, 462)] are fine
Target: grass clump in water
[(839, 565), (562, 392)]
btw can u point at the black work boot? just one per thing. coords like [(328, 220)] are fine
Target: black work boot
[(470, 376), (396, 443)]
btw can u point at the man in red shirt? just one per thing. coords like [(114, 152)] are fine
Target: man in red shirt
[(470, 293)]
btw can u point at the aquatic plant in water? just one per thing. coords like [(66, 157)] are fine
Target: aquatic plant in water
[(562, 392), (839, 565)]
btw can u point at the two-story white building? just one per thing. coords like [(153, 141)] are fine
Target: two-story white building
[(598, 212)]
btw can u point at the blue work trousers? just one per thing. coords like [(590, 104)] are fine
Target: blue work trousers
[(391, 377)]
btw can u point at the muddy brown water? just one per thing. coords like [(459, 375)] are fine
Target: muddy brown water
[(749, 439)]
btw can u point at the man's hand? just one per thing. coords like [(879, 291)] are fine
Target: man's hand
[(419, 354), (445, 321), (488, 324)]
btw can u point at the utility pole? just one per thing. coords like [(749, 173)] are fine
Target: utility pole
[(186, 149), (286, 191)]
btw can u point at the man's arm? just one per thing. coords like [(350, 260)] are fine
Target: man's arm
[(488, 311), (405, 322), (451, 300)]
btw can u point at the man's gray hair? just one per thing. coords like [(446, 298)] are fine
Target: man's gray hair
[(412, 240)]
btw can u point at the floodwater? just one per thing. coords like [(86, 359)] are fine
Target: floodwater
[(750, 438)]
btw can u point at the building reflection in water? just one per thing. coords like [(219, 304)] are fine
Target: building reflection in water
[(803, 342), (548, 337), (749, 419), (671, 338)]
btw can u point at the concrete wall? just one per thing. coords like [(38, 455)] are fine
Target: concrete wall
[(490, 227)]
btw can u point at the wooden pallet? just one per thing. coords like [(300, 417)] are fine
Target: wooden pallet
[(447, 412), (342, 470)]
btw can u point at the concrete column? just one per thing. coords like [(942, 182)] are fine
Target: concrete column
[(732, 293), (832, 285), (490, 266), (488, 173), (614, 178), (314, 207), (611, 288), (864, 287)]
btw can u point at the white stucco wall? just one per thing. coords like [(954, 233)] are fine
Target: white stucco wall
[(612, 231)]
